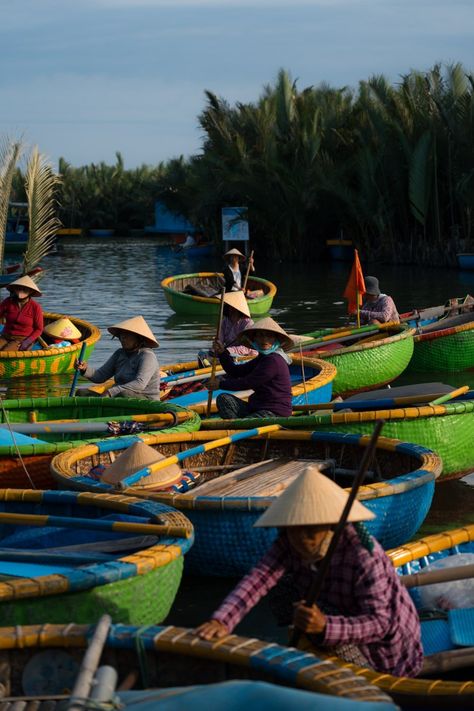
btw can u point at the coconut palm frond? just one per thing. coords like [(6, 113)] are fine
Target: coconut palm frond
[(9, 155), (419, 179), (40, 184)]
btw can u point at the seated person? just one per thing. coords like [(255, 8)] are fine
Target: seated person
[(233, 276), (134, 366), (22, 315), (61, 333), (377, 307), (268, 375), (235, 318), (363, 614)]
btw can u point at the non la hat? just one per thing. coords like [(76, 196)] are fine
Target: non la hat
[(26, 282), (266, 324), (234, 251), (137, 325), (237, 300), (312, 499), (62, 328), (372, 285), (139, 456)]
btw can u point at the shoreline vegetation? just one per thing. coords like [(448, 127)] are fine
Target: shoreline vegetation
[(389, 166)]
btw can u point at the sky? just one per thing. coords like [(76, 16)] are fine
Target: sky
[(83, 79)]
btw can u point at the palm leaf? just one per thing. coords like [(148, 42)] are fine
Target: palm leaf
[(9, 155), (419, 179), (40, 184)]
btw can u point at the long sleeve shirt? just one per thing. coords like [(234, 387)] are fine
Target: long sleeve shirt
[(267, 375), (376, 612), (136, 374), (383, 310), (23, 323), (229, 332)]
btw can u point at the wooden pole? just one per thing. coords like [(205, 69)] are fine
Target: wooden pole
[(90, 662), (442, 575), (76, 374), (244, 286), (323, 568), (214, 358), (450, 396)]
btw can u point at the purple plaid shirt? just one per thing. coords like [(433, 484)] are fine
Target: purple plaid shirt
[(376, 611), (383, 310)]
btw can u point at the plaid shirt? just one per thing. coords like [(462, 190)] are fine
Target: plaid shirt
[(383, 310), (376, 611)]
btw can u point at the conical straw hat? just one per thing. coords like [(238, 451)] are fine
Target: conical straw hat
[(62, 328), (237, 300), (137, 325), (266, 324), (27, 282), (312, 500), (234, 251), (139, 456)]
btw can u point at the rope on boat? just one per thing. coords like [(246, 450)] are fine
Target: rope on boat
[(17, 449), (303, 374)]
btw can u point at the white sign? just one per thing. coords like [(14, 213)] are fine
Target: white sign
[(235, 227)]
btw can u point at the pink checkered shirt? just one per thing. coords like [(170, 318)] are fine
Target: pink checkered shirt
[(376, 611)]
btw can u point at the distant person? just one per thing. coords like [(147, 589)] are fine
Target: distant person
[(189, 241), (377, 308), (236, 318), (22, 315), (268, 375), (233, 277), (134, 366)]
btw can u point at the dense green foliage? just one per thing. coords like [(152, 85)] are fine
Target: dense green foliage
[(390, 166)]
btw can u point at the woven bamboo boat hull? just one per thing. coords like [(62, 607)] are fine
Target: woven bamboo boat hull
[(205, 306), (136, 588), (226, 542), (171, 656), (49, 361), (451, 349), (28, 465), (425, 693), (370, 365), (444, 429)]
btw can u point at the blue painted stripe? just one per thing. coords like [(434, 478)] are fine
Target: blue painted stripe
[(282, 662), (336, 437), (413, 449), (110, 445)]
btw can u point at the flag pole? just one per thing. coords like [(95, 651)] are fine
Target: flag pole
[(358, 309)]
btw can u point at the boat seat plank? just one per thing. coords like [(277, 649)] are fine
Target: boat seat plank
[(402, 391)]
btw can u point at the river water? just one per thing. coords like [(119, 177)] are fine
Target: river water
[(106, 282)]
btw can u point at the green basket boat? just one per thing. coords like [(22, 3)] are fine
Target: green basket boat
[(69, 556), (447, 344), (382, 356), (49, 361), (211, 282), (26, 461)]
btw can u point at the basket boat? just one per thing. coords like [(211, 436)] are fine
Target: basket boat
[(25, 462), (445, 429), (49, 361), (446, 344), (211, 283), (170, 656), (426, 693), (365, 361), (226, 542), (61, 571)]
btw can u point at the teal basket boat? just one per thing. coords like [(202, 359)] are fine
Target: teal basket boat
[(205, 285), (399, 492), (61, 558)]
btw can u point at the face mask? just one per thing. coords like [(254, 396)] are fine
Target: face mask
[(266, 351)]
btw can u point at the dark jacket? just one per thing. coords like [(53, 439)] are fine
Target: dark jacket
[(229, 278)]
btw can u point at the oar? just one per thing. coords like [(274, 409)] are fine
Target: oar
[(324, 565), (247, 271), (90, 662), (214, 358), (346, 335), (37, 428), (443, 575), (92, 524), (200, 449), (149, 417), (450, 396), (76, 374)]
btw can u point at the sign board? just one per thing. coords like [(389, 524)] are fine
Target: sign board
[(235, 227)]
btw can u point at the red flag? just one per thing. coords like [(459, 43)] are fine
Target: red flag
[(355, 286)]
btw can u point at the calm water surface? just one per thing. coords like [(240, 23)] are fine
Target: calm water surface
[(106, 282)]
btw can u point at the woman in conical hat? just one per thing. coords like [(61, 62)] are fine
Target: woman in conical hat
[(22, 315), (62, 332), (235, 318), (363, 613), (134, 366), (267, 375), (232, 273)]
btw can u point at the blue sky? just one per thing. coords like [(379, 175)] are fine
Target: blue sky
[(85, 78)]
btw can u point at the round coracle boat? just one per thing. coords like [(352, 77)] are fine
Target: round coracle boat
[(51, 360), (69, 556), (446, 344), (235, 476), (196, 293)]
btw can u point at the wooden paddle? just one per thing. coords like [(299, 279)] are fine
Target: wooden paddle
[(214, 358), (323, 568), (450, 396), (246, 278), (90, 662), (76, 373), (442, 575)]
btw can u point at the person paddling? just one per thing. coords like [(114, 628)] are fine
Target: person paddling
[(236, 318), (233, 277), (22, 315), (364, 614), (377, 307), (267, 375), (134, 366)]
